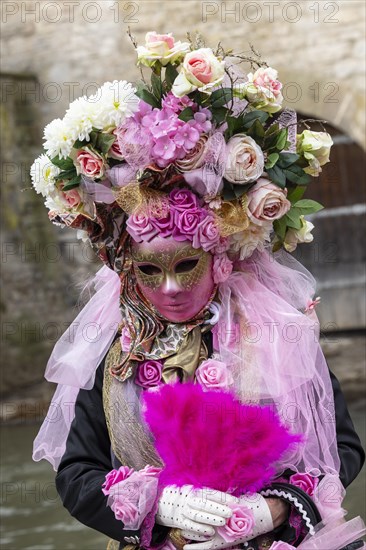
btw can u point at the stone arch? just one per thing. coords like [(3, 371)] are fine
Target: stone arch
[(336, 102)]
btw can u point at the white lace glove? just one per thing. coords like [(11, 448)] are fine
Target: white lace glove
[(195, 511), (262, 524)]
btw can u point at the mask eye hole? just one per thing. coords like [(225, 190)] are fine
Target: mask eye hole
[(186, 265), (150, 269)]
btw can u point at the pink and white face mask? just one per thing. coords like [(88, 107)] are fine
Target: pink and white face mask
[(173, 276)]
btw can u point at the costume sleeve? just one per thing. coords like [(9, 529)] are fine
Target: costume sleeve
[(351, 453), (86, 462)]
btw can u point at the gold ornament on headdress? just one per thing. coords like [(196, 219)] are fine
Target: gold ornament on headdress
[(232, 216), (137, 197)]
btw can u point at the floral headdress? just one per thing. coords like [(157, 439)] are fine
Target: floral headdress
[(198, 123)]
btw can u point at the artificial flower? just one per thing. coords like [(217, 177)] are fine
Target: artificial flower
[(162, 48), (244, 160), (262, 90), (295, 236), (201, 70), (267, 202), (314, 147), (43, 173)]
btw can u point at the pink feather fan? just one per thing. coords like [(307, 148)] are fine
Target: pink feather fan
[(210, 439)]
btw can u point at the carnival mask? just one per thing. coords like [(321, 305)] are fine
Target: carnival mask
[(175, 277)]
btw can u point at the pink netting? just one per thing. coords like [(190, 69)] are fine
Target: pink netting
[(74, 361), (274, 353), (207, 180)]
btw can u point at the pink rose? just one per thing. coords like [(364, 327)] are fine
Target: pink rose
[(306, 482), (89, 163), (125, 511), (222, 268), (115, 476), (267, 202), (148, 373), (207, 235), (141, 228), (186, 223), (125, 339), (165, 224), (279, 545), (152, 37), (72, 197), (150, 471), (213, 374), (183, 199), (195, 157), (239, 525), (201, 70)]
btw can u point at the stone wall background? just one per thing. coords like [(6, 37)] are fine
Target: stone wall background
[(55, 51)]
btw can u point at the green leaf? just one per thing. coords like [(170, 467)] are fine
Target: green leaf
[(221, 97), (80, 143), (296, 193), (147, 96), (271, 136), (272, 159), (280, 227), (281, 140), (75, 182), (219, 114), (277, 175), (186, 114), (250, 118), (66, 174), (157, 86), (293, 218), (286, 159), (296, 174), (171, 74), (234, 125), (256, 131), (64, 164), (105, 142), (228, 191), (308, 206)]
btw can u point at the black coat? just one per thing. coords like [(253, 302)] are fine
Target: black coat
[(87, 460)]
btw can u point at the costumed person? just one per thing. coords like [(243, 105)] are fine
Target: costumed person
[(202, 414)]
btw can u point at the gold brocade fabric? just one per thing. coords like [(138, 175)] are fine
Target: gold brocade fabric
[(183, 365)]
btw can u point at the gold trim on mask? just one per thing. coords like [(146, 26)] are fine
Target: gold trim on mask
[(167, 262)]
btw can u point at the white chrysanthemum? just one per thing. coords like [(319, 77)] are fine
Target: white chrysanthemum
[(55, 203), (43, 174), (253, 238), (81, 116), (116, 100), (60, 138)]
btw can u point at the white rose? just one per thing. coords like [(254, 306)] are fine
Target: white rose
[(244, 160), (201, 70), (162, 48), (315, 148), (295, 236)]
